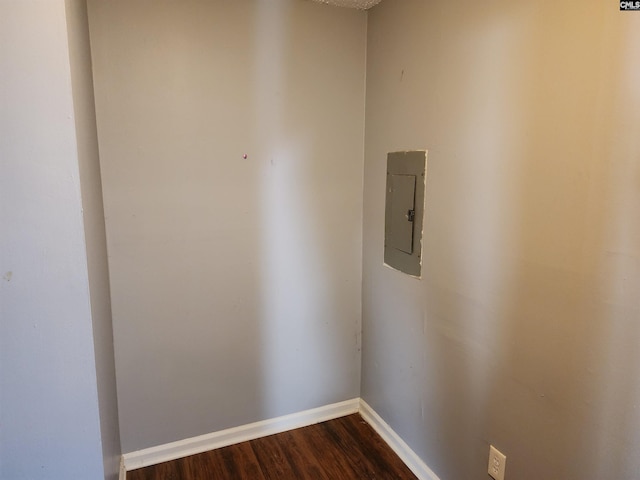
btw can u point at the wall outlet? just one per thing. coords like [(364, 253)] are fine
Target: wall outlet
[(497, 462)]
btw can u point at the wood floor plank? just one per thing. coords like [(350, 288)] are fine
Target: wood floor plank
[(343, 449), (167, 470), (359, 457), (272, 459), (302, 459), (240, 462), (203, 466), (330, 455), (384, 460)]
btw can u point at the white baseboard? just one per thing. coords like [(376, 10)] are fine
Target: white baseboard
[(123, 470), (408, 456), (224, 438)]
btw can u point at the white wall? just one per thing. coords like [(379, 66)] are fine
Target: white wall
[(524, 329), (95, 236), (236, 283), (49, 422)]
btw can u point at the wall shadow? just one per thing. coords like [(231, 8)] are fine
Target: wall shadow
[(309, 105)]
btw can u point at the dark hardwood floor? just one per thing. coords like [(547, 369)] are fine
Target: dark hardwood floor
[(345, 448)]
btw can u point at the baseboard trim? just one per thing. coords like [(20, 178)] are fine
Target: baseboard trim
[(231, 436), (123, 470), (406, 454)]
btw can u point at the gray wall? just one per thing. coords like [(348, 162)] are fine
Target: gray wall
[(94, 228), (48, 395), (236, 283), (524, 330)]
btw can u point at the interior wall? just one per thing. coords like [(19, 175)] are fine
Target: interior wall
[(235, 282), (94, 230), (523, 331), (49, 421)]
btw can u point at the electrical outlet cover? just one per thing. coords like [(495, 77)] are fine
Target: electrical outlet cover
[(497, 463)]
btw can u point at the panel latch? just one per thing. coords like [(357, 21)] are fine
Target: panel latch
[(411, 215)]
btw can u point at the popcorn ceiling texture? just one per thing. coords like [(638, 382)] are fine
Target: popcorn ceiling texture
[(360, 4)]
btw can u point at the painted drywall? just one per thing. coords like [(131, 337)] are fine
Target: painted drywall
[(49, 421), (235, 282), (523, 331), (94, 229)]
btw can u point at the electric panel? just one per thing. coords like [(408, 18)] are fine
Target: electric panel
[(404, 211)]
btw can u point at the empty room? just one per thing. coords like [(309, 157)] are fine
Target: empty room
[(309, 239)]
